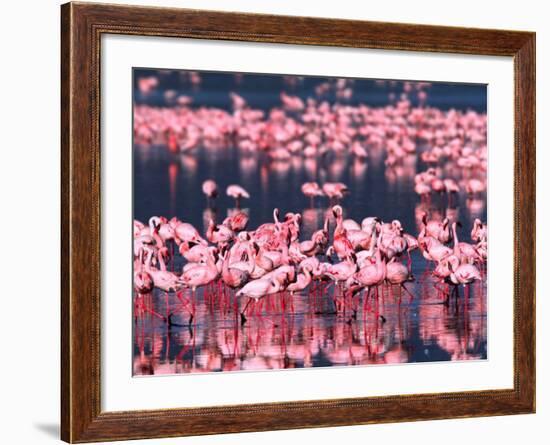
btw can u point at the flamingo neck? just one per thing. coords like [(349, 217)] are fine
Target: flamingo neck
[(285, 257), (162, 264), (455, 238), (148, 261), (276, 217), (339, 230)]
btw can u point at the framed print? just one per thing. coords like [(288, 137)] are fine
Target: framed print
[(278, 222)]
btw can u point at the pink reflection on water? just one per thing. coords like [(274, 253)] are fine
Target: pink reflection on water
[(311, 335)]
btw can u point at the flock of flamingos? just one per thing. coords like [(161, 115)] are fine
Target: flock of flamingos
[(250, 271), (356, 257)]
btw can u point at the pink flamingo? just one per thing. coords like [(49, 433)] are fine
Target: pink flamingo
[(335, 190), (311, 190), (221, 235), (372, 274), (359, 151), (398, 273), (475, 187), (236, 222), (263, 264), (162, 279), (463, 275), (479, 231), (433, 250), (237, 101), (151, 230), (138, 227), (315, 245), (303, 280), (370, 224), (451, 187), (412, 244), (438, 185), (233, 276), (237, 193), (343, 270), (423, 190), (351, 224), (391, 242), (187, 233), (464, 251), (257, 289), (194, 254), (436, 229), (143, 282), (210, 189), (198, 276), (341, 245)]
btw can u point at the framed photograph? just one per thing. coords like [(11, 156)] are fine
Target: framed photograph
[(275, 222)]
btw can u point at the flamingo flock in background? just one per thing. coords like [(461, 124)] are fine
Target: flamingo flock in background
[(447, 142)]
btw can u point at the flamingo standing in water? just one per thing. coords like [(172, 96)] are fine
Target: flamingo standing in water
[(463, 275), (474, 187), (143, 285), (371, 275), (311, 190), (316, 244), (452, 189), (464, 251), (163, 279), (479, 231), (237, 221), (220, 235), (237, 193), (341, 244), (303, 280), (186, 232), (398, 273), (257, 289), (432, 249), (234, 277), (412, 244), (335, 191), (143, 282), (210, 189), (198, 276), (439, 230)]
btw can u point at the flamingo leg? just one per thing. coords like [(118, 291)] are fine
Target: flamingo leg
[(152, 312), (243, 318)]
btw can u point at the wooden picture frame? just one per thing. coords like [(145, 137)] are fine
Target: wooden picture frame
[(82, 26)]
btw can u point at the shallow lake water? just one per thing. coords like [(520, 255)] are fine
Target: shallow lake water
[(395, 326)]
